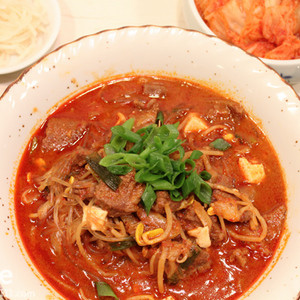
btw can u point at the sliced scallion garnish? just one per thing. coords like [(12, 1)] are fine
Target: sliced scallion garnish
[(191, 258), (127, 243), (148, 198), (205, 175), (220, 144), (111, 180), (159, 118), (151, 157), (104, 290)]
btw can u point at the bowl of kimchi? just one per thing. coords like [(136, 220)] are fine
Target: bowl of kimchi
[(138, 163), (269, 30)]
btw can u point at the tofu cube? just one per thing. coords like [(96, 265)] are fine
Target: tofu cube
[(194, 124), (95, 217), (202, 236), (253, 173), (229, 137)]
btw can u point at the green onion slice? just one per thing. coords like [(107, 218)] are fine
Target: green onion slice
[(220, 144), (104, 290), (111, 180), (127, 243), (159, 118), (192, 257), (148, 198), (119, 169), (151, 155), (205, 175)]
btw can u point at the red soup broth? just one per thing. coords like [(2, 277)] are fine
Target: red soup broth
[(85, 122)]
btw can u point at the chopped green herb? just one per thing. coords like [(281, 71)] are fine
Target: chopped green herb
[(119, 169), (148, 198), (205, 175), (111, 180), (159, 119), (117, 142), (126, 134), (190, 260), (151, 157), (196, 154), (220, 144), (174, 278), (176, 195), (127, 243), (104, 290), (203, 192)]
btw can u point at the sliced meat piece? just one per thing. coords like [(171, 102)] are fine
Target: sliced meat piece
[(237, 111), (199, 261), (130, 222), (122, 201), (68, 163), (275, 219), (202, 262), (225, 206), (162, 198), (177, 250), (188, 218), (240, 256), (119, 92), (145, 117), (219, 112), (154, 90), (177, 114), (156, 220), (62, 133), (216, 233), (151, 221)]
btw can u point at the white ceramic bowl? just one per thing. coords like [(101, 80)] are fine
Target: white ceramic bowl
[(46, 41), (288, 69), (148, 50)]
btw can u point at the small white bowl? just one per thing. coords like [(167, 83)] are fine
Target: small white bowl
[(53, 12), (288, 69)]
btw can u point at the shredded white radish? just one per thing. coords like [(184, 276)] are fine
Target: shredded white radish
[(22, 26)]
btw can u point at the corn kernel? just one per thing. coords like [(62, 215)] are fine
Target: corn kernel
[(40, 162), (229, 137), (138, 234), (71, 180), (152, 234), (210, 211), (28, 177)]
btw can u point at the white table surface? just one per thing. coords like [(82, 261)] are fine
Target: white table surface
[(82, 17)]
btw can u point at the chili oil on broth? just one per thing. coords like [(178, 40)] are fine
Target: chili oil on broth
[(230, 266)]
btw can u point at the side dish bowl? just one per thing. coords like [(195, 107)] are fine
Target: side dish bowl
[(288, 69), (148, 50), (44, 41)]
